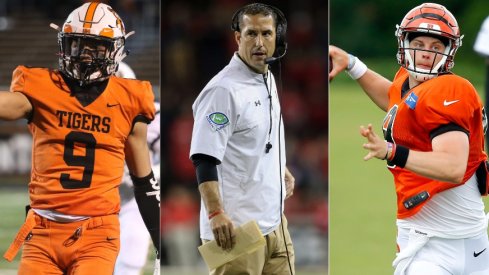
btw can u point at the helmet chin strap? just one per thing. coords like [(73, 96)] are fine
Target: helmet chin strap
[(86, 73), (421, 76)]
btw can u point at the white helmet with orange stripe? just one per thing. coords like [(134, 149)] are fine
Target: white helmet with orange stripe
[(91, 43)]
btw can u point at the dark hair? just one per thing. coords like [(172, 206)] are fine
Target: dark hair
[(254, 9)]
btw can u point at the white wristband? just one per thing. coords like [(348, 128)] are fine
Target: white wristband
[(358, 68)]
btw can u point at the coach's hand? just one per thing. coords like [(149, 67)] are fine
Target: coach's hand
[(289, 183), (223, 230)]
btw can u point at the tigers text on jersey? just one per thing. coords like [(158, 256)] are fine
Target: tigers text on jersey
[(414, 119), (78, 152)]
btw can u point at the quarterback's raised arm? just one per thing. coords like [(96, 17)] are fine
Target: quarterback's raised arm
[(374, 85), (14, 106)]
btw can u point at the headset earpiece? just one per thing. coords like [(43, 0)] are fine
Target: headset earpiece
[(235, 21), (280, 42), (280, 32)]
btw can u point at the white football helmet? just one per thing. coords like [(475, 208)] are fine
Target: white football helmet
[(431, 20), (91, 43)]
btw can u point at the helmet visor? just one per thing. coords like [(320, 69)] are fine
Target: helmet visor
[(86, 48)]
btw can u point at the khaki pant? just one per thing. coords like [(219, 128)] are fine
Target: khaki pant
[(270, 259), (78, 248)]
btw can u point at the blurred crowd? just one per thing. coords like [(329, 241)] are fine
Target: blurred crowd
[(30, 19), (197, 42), (54, 9)]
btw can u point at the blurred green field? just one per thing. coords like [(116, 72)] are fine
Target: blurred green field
[(361, 194), (12, 213)]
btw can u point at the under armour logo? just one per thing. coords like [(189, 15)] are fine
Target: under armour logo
[(257, 103)]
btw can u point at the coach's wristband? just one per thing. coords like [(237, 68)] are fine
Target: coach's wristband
[(356, 68), (215, 213), (400, 156)]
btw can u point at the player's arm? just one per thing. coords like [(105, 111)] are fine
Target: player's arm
[(372, 83), (146, 187), (221, 225), (14, 106), (137, 151), (446, 162)]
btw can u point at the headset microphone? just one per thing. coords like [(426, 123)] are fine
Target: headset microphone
[(270, 60)]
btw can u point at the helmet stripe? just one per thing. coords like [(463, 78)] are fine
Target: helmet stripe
[(431, 16), (89, 15)]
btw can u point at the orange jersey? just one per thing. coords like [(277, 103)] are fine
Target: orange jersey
[(414, 119), (78, 152)]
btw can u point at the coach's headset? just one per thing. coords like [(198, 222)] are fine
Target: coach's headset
[(280, 51), (280, 29)]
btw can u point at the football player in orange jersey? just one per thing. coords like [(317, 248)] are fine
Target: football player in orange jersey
[(85, 123), (433, 144)]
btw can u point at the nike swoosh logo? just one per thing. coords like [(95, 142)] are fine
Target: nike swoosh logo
[(115, 238), (112, 105), (477, 254), (446, 103)]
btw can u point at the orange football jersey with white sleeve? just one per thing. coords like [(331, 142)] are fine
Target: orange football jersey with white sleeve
[(78, 151), (425, 110)]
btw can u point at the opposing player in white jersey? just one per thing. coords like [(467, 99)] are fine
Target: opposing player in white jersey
[(135, 240)]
